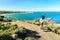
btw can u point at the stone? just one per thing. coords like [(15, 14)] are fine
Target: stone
[(14, 36)]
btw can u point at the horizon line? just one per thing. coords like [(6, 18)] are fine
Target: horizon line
[(34, 10)]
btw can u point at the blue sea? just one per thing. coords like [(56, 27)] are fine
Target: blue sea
[(34, 15)]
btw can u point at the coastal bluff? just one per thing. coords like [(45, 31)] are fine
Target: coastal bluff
[(44, 35)]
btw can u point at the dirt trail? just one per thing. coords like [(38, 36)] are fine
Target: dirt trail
[(35, 30)]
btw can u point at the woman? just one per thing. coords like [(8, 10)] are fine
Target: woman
[(42, 21)]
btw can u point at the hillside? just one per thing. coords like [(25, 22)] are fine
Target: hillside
[(36, 33)]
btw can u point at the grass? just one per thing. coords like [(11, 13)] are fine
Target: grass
[(7, 30), (50, 27), (35, 22), (53, 29)]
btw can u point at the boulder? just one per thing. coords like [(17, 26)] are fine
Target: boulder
[(15, 36)]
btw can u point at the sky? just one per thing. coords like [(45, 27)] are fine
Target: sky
[(30, 5)]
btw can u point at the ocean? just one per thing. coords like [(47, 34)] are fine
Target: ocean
[(34, 15)]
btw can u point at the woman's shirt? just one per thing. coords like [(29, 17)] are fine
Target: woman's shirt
[(41, 20)]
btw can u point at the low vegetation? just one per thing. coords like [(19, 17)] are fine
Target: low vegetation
[(53, 29), (48, 27), (35, 22), (7, 30)]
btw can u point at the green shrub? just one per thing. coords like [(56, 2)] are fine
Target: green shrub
[(6, 37), (22, 33), (5, 26), (1, 19), (36, 22), (58, 31), (50, 29), (7, 29)]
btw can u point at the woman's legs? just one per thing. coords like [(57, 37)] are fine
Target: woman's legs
[(42, 26)]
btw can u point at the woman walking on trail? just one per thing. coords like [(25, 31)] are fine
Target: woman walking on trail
[(42, 22)]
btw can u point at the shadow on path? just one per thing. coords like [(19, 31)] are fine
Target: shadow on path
[(35, 35)]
